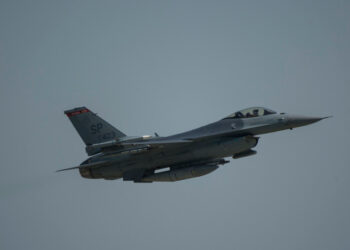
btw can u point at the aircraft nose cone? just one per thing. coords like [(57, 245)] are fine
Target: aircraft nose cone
[(298, 121)]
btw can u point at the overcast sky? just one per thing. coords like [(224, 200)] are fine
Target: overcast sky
[(167, 67)]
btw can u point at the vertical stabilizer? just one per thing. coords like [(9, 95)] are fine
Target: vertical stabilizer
[(91, 128)]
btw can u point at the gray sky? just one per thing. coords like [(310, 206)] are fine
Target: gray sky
[(166, 67)]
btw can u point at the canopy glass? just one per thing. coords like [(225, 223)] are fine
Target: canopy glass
[(251, 112)]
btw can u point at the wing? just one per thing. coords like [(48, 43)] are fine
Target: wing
[(157, 143)]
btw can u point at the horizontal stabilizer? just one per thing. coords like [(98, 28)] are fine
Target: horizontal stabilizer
[(89, 165)]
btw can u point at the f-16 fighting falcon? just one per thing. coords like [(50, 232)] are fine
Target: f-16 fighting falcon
[(114, 155)]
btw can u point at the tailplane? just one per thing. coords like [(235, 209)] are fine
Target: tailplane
[(91, 128)]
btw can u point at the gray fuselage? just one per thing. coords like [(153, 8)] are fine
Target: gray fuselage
[(220, 139), (190, 154)]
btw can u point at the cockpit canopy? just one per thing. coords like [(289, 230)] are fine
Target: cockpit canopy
[(251, 112)]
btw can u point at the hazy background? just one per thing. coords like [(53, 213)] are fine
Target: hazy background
[(166, 67)]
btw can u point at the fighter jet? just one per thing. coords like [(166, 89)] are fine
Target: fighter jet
[(114, 155)]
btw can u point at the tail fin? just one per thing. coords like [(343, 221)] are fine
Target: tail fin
[(91, 128)]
